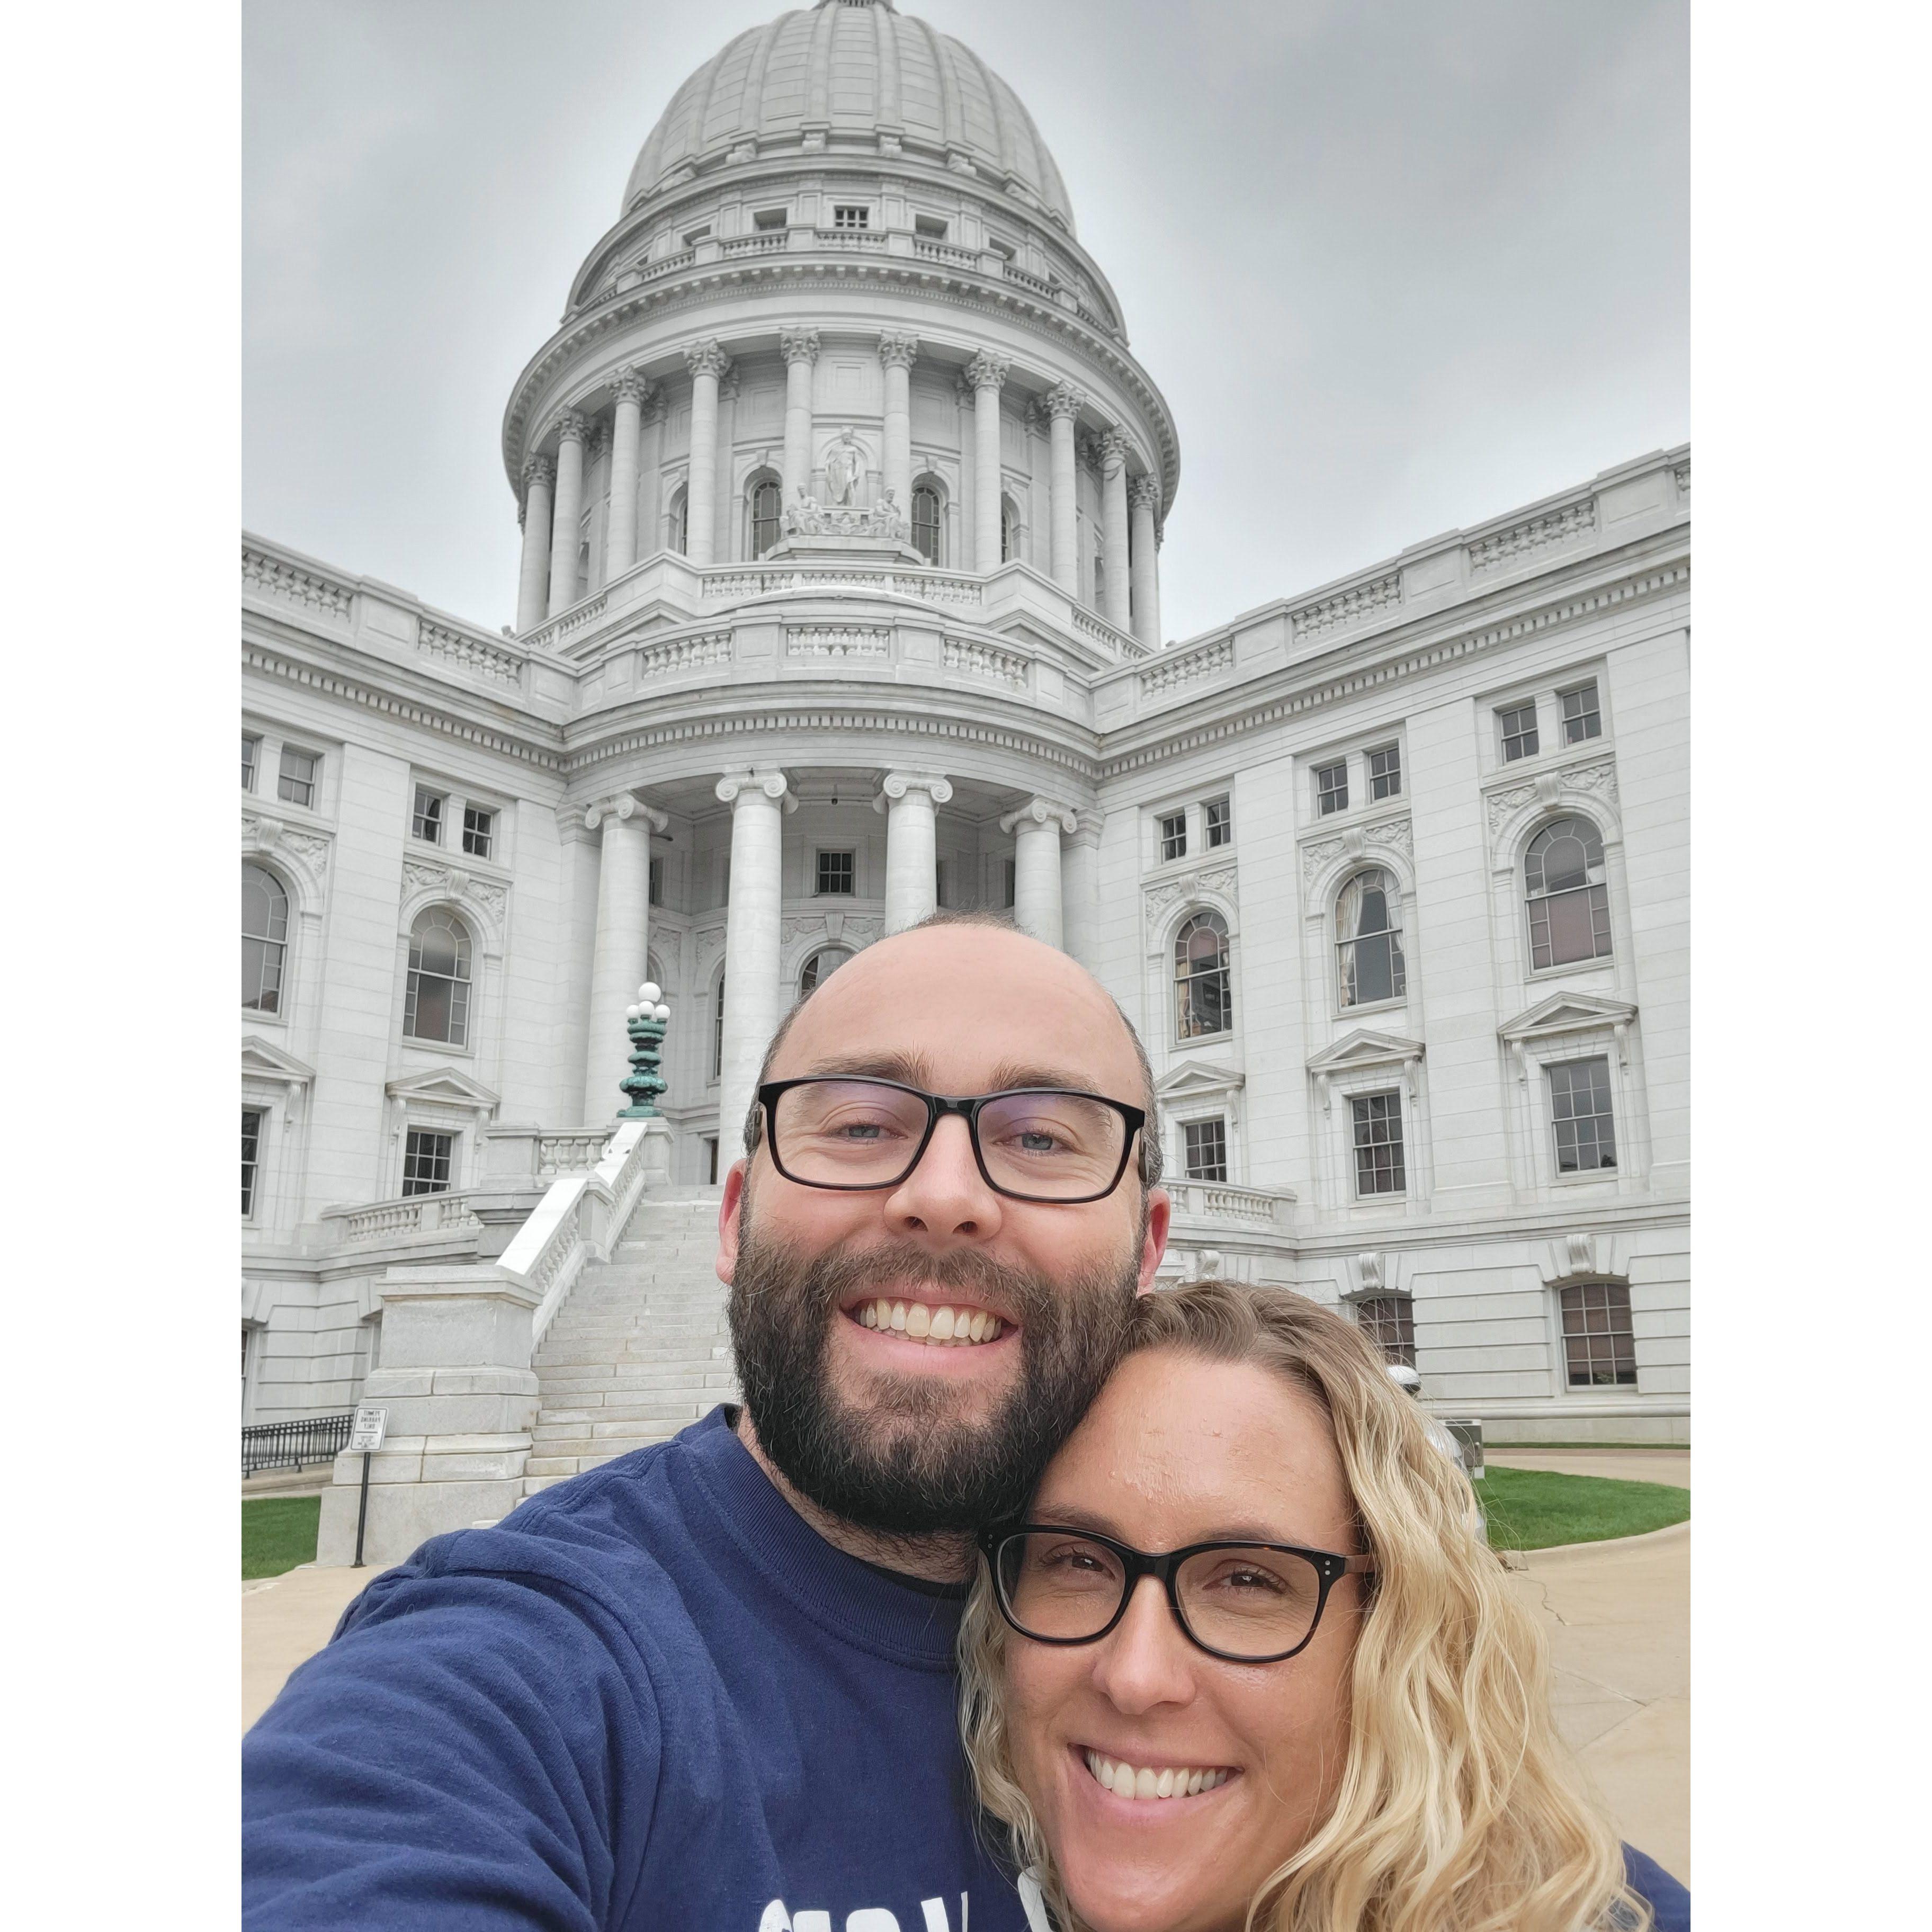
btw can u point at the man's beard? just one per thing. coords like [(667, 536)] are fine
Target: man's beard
[(904, 1467)]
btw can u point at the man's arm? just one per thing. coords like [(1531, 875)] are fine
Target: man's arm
[(458, 1757)]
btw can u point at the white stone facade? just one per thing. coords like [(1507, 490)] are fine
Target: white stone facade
[(707, 761)]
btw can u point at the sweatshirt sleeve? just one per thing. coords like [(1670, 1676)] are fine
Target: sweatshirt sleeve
[(458, 1756)]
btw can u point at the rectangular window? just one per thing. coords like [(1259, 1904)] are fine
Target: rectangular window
[(1331, 788), (1174, 836), (934, 227), (1378, 1168), (766, 219), (657, 882), (426, 823), (835, 873), (1385, 772), (251, 1158), (849, 215), (1599, 1346), (1518, 725), (940, 896), (297, 782), (1579, 1115), (426, 1162), (1005, 251), (1218, 815), (251, 754), (1581, 717), (1389, 1322), (1205, 1145), (479, 831), (1011, 877), (692, 236)]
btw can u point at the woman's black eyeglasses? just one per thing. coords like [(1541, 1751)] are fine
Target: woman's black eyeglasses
[(1031, 1143), (1245, 1603)]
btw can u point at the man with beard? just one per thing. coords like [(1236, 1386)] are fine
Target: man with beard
[(708, 1686)]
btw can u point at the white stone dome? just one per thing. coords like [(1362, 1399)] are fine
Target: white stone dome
[(847, 77)]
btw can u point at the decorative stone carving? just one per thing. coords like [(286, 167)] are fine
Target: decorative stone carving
[(898, 350), (1506, 804), (972, 659), (1348, 607), (1064, 400), (470, 654), (710, 943), (539, 470), (1039, 810), (1317, 857), (452, 882), (1219, 880), (838, 641), (1392, 833), (1169, 672), (269, 576), (1110, 451), (844, 464), (798, 345), (896, 784), (796, 928), (657, 405), (773, 784), (707, 358), (1526, 539), (682, 654), (1144, 492), (988, 371), (1582, 783), (804, 516), (570, 428), (632, 386)]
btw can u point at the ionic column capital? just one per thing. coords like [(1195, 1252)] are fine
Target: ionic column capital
[(1144, 492), (706, 358), (571, 427), (988, 371), (747, 785), (1042, 812), (895, 785), (898, 350), (1064, 400), (632, 386), (798, 345), (623, 807)]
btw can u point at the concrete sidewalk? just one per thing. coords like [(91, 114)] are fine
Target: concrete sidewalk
[(285, 1621)]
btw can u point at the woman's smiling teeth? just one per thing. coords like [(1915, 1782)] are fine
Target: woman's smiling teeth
[(1127, 1781), (937, 1327)]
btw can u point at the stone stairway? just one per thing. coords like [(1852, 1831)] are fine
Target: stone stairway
[(640, 1347)]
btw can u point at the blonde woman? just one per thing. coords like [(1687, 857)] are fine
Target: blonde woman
[(1245, 1664)]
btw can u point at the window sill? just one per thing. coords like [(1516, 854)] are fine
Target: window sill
[(438, 1049), (251, 1016), (1394, 1005), (1537, 974)]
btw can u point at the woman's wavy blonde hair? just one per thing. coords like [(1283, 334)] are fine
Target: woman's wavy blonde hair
[(1458, 1809)]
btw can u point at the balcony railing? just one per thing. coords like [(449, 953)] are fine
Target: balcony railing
[(383, 1221), (1249, 1207), (294, 1445)]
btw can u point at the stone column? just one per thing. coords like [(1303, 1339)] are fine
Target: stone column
[(1037, 825), (759, 800), (1143, 496), (620, 542), (570, 431), (800, 348), (1080, 887), (539, 473), (987, 374), (910, 800), (1064, 405), (1114, 524), (707, 363), (650, 481), (896, 353), (619, 957)]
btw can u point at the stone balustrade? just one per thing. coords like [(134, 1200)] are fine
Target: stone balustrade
[(380, 1223), (1262, 1209)]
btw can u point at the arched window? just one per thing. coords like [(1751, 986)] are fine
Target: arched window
[(679, 519), (821, 967), (767, 502), (718, 1032), (1203, 986), (436, 1006), (1368, 939), (1009, 529), (265, 939), (1568, 899), (928, 518)]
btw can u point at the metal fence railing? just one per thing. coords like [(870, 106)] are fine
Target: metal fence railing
[(294, 1445)]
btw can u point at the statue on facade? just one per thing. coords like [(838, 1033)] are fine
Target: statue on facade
[(844, 464)]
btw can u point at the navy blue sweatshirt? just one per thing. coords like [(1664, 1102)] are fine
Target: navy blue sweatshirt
[(652, 1697)]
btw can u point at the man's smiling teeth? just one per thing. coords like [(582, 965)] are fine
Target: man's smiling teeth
[(937, 1327), (1126, 1780)]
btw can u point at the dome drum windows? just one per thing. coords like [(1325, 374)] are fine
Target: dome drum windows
[(1203, 978), (265, 939), (436, 1006), (764, 497), (821, 967), (1370, 966), (1567, 895), (928, 521)]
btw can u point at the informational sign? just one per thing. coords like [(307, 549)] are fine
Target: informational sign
[(1469, 1436), (365, 1433)]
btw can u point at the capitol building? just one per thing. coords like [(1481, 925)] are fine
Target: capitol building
[(838, 494)]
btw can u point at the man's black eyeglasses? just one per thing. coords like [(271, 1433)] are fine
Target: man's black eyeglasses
[(1245, 1603), (1031, 1143)]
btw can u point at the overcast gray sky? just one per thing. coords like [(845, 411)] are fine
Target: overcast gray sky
[(1397, 265)]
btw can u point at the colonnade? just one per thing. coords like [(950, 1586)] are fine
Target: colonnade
[(551, 512), (1054, 899)]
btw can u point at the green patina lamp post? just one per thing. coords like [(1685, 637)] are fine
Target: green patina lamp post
[(645, 1023)]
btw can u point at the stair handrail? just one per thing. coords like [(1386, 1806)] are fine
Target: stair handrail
[(582, 1217)]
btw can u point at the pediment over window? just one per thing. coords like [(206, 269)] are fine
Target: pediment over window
[(262, 1060), (1365, 1048), (1566, 1012), (1199, 1080), (445, 1086)]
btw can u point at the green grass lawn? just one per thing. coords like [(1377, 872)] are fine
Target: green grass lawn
[(1532, 1509), (278, 1532)]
